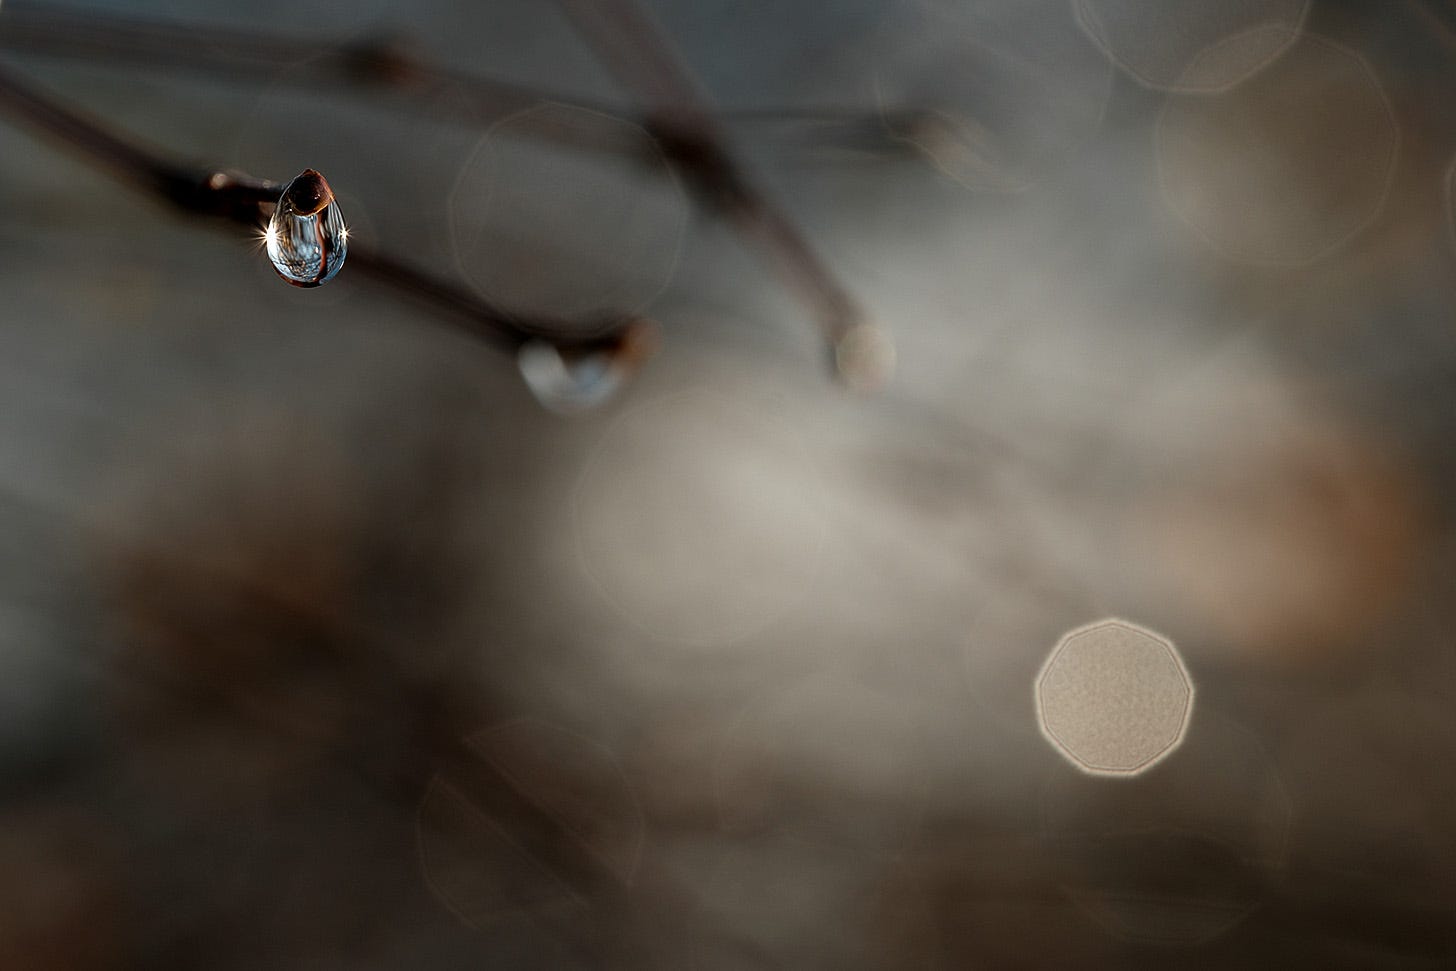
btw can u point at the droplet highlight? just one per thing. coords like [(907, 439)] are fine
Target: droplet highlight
[(306, 237)]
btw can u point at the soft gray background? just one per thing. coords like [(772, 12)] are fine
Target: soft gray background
[(741, 628)]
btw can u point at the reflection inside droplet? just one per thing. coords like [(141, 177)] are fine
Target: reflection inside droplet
[(306, 236)]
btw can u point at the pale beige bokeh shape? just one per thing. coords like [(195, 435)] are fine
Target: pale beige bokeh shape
[(1287, 167), (478, 871), (1113, 698), (996, 94), (1191, 45)]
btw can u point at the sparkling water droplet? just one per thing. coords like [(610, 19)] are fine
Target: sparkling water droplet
[(306, 237), (571, 381)]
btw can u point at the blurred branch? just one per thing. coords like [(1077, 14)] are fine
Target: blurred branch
[(247, 201), (633, 49), (678, 120), (1439, 16), (383, 60)]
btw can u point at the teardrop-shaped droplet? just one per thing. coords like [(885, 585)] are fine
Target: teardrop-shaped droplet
[(306, 237), (573, 381)]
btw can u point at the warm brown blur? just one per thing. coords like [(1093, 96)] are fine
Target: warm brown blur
[(324, 645)]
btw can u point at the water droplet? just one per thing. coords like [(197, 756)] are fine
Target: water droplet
[(961, 147), (570, 381), (864, 357), (306, 238)]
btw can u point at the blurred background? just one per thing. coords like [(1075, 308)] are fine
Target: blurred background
[(296, 583)]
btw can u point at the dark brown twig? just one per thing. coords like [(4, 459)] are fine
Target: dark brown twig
[(248, 201), (377, 61), (634, 50)]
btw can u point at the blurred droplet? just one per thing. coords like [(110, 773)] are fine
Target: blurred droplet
[(564, 385), (306, 237), (570, 381), (1192, 45), (1289, 165), (1114, 698), (564, 211), (994, 93), (864, 357)]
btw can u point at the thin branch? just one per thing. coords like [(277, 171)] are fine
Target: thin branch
[(688, 134), (247, 201), (632, 48), (382, 60)]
